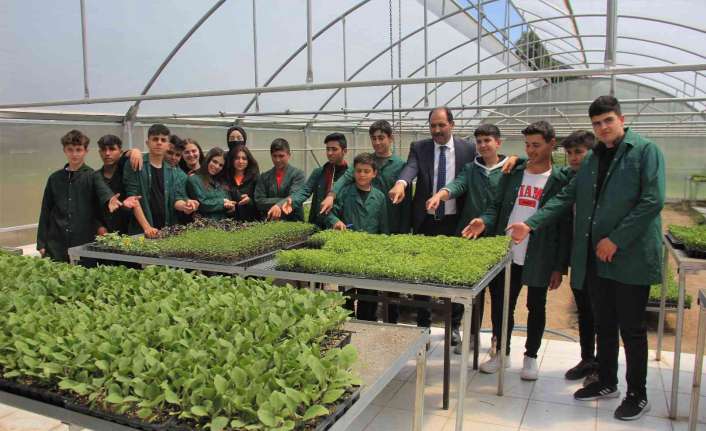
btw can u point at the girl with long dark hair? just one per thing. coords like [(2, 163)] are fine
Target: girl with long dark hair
[(243, 174), (208, 187)]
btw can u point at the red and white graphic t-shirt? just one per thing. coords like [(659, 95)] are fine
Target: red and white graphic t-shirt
[(526, 205)]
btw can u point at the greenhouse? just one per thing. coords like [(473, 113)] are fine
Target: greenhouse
[(352, 215)]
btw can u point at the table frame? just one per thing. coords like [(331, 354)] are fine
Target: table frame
[(698, 363), (685, 265)]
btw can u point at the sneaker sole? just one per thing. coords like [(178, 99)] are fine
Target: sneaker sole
[(528, 378), (642, 413), (609, 396)]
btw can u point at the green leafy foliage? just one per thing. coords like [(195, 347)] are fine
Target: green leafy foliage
[(217, 352), (672, 291), (441, 259), (213, 243), (693, 237)]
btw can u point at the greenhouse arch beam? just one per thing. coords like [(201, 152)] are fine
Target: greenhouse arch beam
[(132, 111), (304, 46)]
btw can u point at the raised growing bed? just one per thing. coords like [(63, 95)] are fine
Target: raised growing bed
[(447, 261), (164, 349), (693, 239), (672, 299), (205, 240)]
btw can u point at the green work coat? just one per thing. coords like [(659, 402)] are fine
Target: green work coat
[(627, 210), (71, 208), (369, 216), (116, 221), (544, 249), (315, 187), (138, 183), (479, 185), (267, 193), (211, 199), (399, 217)]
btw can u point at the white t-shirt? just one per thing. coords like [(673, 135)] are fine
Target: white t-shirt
[(526, 204)]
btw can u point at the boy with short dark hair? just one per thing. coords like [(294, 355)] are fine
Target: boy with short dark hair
[(110, 150), (477, 182), (72, 197), (321, 180), (619, 193), (577, 145), (278, 183), (535, 261), (361, 207), (161, 186), (176, 147)]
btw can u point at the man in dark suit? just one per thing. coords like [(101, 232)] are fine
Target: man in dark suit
[(434, 163)]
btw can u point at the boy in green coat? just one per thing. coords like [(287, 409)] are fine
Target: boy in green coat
[(321, 180), (361, 207), (617, 250), (74, 198), (477, 181), (162, 187), (278, 183), (536, 261)]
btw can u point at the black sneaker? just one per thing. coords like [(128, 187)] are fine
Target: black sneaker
[(633, 407), (581, 370), (596, 391)]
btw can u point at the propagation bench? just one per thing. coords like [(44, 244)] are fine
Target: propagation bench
[(376, 367)]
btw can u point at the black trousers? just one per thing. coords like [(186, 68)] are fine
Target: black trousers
[(431, 227), (619, 307), (587, 329), (536, 307)]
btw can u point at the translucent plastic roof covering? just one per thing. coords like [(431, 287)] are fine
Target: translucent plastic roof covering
[(126, 42)]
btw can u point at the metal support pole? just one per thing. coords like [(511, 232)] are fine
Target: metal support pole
[(345, 65), (504, 335), (254, 47), (698, 369), (463, 369), (479, 8), (84, 44), (677, 345), (309, 41), (418, 418), (611, 39), (662, 303), (507, 46), (436, 87), (306, 148), (426, 55)]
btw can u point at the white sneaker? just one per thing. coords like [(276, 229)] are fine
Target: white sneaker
[(471, 346), (530, 371), (492, 365)]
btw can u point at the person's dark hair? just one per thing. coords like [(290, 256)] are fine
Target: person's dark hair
[(380, 125), (579, 138), (338, 137), (253, 169), (202, 172), (106, 141), (603, 105), (182, 162), (449, 115), (365, 159), (487, 130), (540, 127), (177, 142), (158, 129), (75, 137), (242, 132), (279, 144)]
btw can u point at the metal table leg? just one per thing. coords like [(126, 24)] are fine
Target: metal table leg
[(698, 369), (662, 303), (463, 369), (677, 346), (418, 419), (447, 352), (504, 336)]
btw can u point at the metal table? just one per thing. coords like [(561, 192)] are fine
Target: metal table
[(379, 361), (376, 368), (685, 265), (699, 363), (460, 295)]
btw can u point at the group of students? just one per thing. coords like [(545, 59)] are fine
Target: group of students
[(599, 215)]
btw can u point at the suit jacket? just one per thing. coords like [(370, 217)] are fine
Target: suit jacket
[(420, 165)]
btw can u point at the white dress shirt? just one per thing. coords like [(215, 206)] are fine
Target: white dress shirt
[(450, 206)]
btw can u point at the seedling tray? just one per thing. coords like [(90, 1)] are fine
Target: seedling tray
[(695, 253), (676, 243), (76, 406), (33, 392)]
